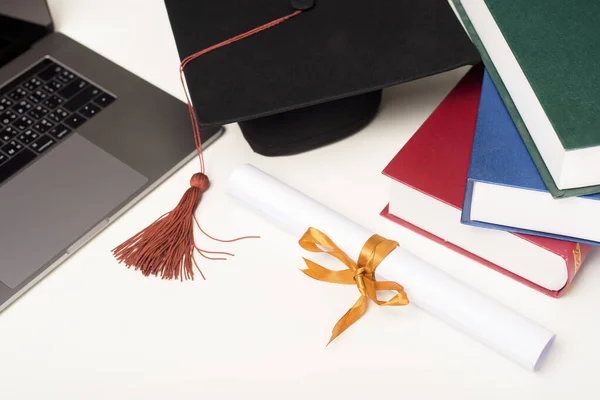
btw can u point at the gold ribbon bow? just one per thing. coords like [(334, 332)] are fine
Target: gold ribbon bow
[(360, 273)]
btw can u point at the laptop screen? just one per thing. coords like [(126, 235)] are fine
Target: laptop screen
[(34, 11), (22, 22)]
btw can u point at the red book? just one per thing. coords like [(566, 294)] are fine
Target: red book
[(429, 179)]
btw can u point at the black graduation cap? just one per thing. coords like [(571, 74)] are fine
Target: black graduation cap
[(316, 77)]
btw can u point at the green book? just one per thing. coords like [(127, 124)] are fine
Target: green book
[(544, 57)]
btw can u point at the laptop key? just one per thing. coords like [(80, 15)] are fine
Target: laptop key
[(58, 115), (43, 126), (18, 94), (82, 98), (22, 107), (90, 110), (15, 163), (7, 117), (104, 100), (66, 77), (32, 84), (59, 131), (38, 96), (42, 144), (38, 112), (12, 148), (72, 88), (22, 123), (53, 86), (3, 158), (8, 133), (5, 103), (50, 72), (75, 121), (28, 136), (52, 102)]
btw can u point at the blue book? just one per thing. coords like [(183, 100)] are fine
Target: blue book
[(505, 191)]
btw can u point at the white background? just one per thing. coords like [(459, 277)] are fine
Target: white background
[(258, 327)]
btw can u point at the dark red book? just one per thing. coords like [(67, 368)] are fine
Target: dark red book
[(429, 179)]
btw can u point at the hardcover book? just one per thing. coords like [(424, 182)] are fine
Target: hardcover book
[(543, 56), (505, 190), (429, 177)]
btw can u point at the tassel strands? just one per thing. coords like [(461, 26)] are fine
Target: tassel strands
[(166, 248)]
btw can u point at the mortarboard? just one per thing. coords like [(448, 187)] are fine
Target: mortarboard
[(341, 52), (295, 74)]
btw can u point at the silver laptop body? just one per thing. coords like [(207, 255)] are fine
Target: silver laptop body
[(81, 163)]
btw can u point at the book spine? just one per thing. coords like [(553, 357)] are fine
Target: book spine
[(575, 260)]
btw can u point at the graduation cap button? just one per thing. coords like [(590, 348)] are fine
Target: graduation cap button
[(303, 4)]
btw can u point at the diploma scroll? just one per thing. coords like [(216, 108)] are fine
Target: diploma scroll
[(461, 306)]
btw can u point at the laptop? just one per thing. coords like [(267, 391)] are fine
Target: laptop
[(81, 141)]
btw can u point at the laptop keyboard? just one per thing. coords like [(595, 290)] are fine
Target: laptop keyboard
[(41, 107)]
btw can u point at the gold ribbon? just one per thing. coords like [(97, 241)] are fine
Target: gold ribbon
[(360, 273)]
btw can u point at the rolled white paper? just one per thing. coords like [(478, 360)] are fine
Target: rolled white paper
[(479, 316)]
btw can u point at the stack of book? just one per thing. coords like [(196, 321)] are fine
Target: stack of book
[(507, 168)]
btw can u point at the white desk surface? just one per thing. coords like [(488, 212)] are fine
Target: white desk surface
[(258, 327)]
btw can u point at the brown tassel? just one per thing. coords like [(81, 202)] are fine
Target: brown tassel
[(166, 247)]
